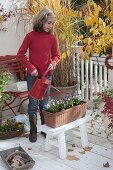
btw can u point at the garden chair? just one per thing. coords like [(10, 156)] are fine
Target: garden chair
[(14, 66)]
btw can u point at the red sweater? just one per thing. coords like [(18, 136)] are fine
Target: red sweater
[(43, 50)]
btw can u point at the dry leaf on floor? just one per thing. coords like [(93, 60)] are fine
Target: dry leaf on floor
[(71, 158), (87, 148), (90, 132), (106, 165), (26, 135), (70, 150), (82, 152), (91, 125), (73, 145), (29, 148)]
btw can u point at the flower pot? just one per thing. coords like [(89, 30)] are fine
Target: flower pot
[(63, 117), (11, 130), (70, 90)]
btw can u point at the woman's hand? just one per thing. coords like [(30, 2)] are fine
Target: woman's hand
[(52, 66), (34, 73)]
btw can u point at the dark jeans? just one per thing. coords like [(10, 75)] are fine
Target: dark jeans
[(33, 103)]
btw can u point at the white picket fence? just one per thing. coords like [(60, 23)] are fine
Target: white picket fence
[(93, 76)]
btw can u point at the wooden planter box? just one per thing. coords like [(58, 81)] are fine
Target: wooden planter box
[(60, 118)]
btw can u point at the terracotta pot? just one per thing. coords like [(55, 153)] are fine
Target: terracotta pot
[(70, 90), (63, 117)]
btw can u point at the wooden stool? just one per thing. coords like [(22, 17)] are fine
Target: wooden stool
[(60, 133)]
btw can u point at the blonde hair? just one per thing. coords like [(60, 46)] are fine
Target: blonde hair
[(41, 18)]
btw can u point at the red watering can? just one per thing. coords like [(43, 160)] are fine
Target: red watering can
[(40, 87)]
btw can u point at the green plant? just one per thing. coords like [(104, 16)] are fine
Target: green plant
[(5, 76), (11, 125), (63, 104)]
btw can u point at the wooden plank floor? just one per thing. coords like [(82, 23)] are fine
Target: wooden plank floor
[(100, 151)]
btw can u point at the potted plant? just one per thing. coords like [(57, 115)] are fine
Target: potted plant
[(4, 79), (10, 129), (104, 102), (63, 111)]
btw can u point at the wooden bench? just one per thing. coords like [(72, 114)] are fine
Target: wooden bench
[(60, 134), (14, 66)]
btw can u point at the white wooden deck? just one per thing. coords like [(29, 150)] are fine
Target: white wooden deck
[(100, 151)]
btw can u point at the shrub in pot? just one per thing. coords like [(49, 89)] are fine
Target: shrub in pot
[(11, 128)]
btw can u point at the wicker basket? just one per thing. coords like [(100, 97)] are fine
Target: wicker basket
[(60, 118), (10, 134)]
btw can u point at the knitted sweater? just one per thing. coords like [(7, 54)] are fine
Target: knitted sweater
[(43, 50)]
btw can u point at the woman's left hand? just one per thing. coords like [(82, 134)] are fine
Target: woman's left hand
[(51, 67)]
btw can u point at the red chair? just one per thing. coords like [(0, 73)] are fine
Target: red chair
[(15, 67)]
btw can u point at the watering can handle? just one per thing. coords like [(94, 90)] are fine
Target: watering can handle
[(59, 91), (45, 73)]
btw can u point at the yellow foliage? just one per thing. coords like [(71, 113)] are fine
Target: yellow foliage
[(89, 21), (99, 24), (111, 15), (63, 56)]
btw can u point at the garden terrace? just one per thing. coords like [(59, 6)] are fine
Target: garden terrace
[(92, 77)]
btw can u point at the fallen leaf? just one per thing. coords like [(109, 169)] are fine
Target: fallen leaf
[(26, 135), (71, 158), (70, 150), (83, 152), (29, 148), (91, 125), (99, 132), (90, 132), (87, 148), (106, 165), (73, 145)]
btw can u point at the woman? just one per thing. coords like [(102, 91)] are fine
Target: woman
[(43, 55)]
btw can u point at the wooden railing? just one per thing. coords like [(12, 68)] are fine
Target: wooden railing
[(93, 76)]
